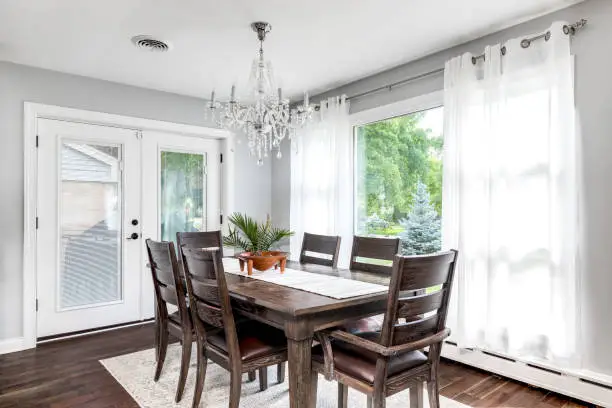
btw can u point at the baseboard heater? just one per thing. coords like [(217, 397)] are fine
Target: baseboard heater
[(587, 386)]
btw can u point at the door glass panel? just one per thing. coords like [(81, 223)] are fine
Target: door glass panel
[(90, 224), (183, 193)]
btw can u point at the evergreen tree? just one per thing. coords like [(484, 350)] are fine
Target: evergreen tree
[(421, 233)]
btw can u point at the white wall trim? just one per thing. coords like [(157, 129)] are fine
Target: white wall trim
[(228, 177), (30, 172), (126, 122), (565, 382), (404, 107), (12, 345), (34, 111)]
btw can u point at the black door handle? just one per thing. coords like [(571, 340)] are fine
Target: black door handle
[(134, 235)]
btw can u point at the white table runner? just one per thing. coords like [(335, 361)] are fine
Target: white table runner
[(331, 286)]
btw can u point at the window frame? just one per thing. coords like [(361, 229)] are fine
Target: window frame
[(400, 108)]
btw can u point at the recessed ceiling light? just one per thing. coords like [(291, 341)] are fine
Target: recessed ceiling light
[(148, 43)]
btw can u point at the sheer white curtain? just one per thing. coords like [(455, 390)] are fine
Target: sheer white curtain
[(510, 199), (321, 178)]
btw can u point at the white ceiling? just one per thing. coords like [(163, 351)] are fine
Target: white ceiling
[(315, 44)]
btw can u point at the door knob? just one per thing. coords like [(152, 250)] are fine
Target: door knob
[(134, 235)]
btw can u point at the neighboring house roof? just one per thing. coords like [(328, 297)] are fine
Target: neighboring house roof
[(81, 162)]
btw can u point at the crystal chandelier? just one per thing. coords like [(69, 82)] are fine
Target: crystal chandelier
[(266, 117)]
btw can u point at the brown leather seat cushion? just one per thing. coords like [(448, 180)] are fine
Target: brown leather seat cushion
[(254, 339), (361, 364), (368, 324), (176, 317)]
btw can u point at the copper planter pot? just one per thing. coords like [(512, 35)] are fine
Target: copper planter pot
[(262, 261)]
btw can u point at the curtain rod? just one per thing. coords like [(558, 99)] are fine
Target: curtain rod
[(391, 85), (568, 29), (397, 83)]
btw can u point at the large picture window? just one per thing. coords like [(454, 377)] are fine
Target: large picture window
[(398, 179)]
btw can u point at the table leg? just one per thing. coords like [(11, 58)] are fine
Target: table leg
[(299, 372)]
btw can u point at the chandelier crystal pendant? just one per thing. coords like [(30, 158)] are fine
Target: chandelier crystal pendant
[(267, 118)]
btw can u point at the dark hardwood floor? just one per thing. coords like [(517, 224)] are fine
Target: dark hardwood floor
[(67, 374)]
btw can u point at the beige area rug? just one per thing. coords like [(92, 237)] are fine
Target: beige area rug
[(135, 373)]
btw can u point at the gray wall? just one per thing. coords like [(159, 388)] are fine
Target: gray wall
[(19, 84), (594, 103)]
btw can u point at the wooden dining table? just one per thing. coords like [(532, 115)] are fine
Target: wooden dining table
[(301, 314)]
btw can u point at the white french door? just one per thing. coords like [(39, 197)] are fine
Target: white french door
[(88, 265), (101, 191), (181, 191)]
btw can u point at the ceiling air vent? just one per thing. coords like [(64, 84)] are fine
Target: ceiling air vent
[(148, 43)]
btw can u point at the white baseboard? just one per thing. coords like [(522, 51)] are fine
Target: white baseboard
[(12, 345), (573, 384)]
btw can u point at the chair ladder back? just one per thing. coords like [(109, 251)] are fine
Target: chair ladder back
[(205, 295), (208, 294), (198, 239), (320, 244), (167, 282), (424, 314), (382, 249), (204, 239)]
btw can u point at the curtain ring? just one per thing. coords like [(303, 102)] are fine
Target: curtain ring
[(547, 36), (475, 59), (503, 50), (525, 43)]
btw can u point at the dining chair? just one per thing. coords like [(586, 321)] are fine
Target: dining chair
[(241, 348), (383, 363), (375, 249), (366, 255), (200, 239), (169, 290), (214, 239), (313, 244)]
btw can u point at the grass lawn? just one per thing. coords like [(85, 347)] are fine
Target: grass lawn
[(392, 231)]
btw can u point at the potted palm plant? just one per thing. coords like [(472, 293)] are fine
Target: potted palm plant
[(256, 241)]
